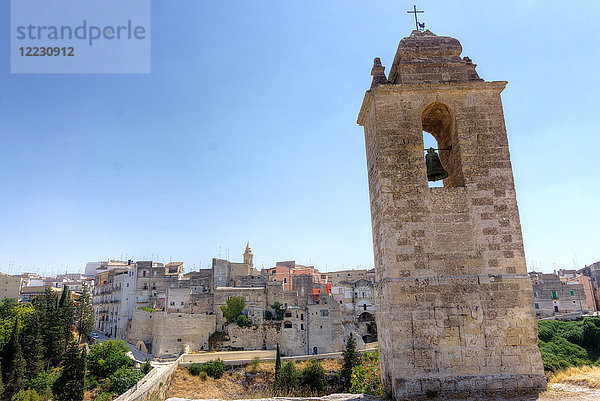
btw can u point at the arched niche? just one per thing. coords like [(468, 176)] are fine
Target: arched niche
[(438, 119)]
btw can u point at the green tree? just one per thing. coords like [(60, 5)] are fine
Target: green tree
[(47, 311), (278, 310), (124, 378), (84, 313), (69, 386), (33, 346), (235, 306), (288, 378), (7, 307), (108, 357), (277, 362), (65, 311), (313, 377), (16, 366), (42, 384), (351, 359)]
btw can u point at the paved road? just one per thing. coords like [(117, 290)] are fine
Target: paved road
[(243, 357)]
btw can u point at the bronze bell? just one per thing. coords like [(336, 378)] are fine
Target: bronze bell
[(435, 170)]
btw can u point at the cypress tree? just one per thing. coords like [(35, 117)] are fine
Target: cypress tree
[(33, 347), (69, 386), (84, 313), (277, 363), (16, 366), (51, 326), (351, 359), (65, 307)]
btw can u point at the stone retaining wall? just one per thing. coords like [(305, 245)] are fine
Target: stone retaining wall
[(153, 386)]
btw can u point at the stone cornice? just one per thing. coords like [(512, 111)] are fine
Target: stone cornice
[(439, 87)]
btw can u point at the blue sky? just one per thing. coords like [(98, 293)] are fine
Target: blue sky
[(246, 130)]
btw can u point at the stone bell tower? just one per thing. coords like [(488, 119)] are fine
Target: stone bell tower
[(454, 301)]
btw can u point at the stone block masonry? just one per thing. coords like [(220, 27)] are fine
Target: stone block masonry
[(454, 302)]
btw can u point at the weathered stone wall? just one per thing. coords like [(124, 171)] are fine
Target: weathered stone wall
[(454, 302), (141, 328), (246, 338), (171, 333), (175, 333)]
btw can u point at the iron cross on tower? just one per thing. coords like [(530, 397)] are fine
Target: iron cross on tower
[(420, 25)]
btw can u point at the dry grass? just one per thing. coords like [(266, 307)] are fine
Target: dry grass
[(242, 383), (586, 376)]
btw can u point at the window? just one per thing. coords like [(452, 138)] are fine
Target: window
[(324, 312), (537, 306), (288, 314), (572, 294), (287, 325), (301, 326), (365, 307), (554, 296), (179, 340), (302, 316)]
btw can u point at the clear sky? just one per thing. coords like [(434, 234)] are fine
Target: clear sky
[(246, 130)]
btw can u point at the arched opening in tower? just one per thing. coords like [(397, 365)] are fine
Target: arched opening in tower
[(437, 120)]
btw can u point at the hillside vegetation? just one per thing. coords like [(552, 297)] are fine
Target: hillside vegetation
[(569, 344)]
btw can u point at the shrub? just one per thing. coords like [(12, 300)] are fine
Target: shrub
[(91, 382), (268, 315), (214, 368), (104, 397), (195, 369), (124, 378), (146, 309), (243, 321), (313, 376), (288, 378), (146, 367), (254, 364), (26, 395), (202, 375), (42, 383), (366, 377)]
